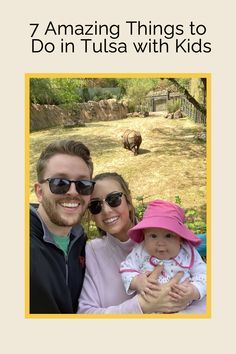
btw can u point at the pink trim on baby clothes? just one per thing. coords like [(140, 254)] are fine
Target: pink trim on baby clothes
[(191, 260), (154, 261), (155, 264)]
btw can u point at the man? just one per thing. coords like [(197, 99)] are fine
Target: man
[(57, 240)]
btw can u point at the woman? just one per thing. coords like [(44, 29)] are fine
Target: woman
[(103, 291)]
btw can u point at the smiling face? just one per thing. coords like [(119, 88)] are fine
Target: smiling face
[(116, 221), (61, 212), (161, 243)]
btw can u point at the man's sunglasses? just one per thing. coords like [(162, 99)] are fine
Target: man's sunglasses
[(62, 185), (112, 199)]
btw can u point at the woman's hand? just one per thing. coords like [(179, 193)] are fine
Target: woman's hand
[(160, 300)]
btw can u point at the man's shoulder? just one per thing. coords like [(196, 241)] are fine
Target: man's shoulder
[(34, 206), (78, 231), (34, 218), (36, 228)]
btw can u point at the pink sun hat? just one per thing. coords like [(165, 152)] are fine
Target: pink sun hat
[(164, 215)]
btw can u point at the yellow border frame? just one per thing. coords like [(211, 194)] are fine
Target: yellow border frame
[(28, 76)]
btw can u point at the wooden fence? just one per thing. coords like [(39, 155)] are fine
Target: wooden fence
[(160, 102), (191, 111)]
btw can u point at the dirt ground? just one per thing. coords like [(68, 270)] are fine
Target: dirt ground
[(171, 162)]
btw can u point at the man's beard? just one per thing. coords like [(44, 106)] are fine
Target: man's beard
[(50, 207)]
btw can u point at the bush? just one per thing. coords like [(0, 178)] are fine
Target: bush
[(192, 218), (173, 106), (102, 96), (131, 107), (194, 222), (140, 208)]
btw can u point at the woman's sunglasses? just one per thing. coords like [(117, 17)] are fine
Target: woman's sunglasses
[(62, 185), (112, 199)]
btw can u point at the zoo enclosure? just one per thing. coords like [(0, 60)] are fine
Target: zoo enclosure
[(157, 103)]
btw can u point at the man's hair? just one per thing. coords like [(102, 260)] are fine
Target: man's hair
[(125, 188), (66, 147)]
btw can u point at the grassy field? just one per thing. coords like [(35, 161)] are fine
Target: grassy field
[(171, 161)]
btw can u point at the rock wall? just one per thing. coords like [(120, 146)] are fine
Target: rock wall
[(47, 116)]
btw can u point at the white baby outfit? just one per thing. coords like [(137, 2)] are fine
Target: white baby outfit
[(188, 261)]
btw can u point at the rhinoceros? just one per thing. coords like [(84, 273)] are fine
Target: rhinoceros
[(132, 140)]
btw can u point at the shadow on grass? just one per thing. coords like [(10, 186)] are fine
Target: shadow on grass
[(161, 146), (178, 132), (172, 146), (144, 151), (94, 142)]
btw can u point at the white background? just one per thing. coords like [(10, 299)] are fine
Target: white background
[(116, 335)]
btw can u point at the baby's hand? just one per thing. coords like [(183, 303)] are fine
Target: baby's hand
[(186, 291), (143, 284)]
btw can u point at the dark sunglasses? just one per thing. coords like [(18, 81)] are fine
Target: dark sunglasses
[(62, 185), (112, 199)]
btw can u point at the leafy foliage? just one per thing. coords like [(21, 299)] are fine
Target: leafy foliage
[(54, 91), (66, 90), (192, 219), (61, 91), (41, 91), (173, 106), (136, 90), (140, 208), (198, 105)]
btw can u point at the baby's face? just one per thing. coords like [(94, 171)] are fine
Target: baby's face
[(161, 243)]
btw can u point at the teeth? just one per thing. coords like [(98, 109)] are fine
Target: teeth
[(70, 205), (110, 220)]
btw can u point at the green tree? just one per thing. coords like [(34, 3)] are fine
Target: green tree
[(54, 90), (66, 89), (41, 91), (136, 89), (199, 106)]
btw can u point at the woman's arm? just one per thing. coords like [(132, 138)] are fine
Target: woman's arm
[(90, 298), (160, 300)]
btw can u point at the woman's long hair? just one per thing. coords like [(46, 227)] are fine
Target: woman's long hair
[(125, 188)]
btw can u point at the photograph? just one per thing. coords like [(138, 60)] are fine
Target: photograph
[(117, 197), (118, 148)]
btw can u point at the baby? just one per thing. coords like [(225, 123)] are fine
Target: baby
[(163, 239)]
